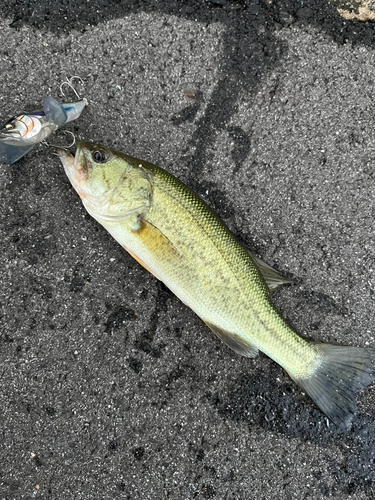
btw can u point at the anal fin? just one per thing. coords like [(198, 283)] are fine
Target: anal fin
[(239, 345)]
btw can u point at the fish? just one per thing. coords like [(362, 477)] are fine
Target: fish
[(22, 132), (176, 236)]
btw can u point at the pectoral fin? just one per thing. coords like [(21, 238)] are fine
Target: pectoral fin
[(156, 242), (270, 275), (140, 261), (238, 344)]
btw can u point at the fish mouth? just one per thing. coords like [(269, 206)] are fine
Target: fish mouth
[(65, 156), (78, 150), (78, 161), (82, 159), (76, 167)]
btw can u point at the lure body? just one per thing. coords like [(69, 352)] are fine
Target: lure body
[(21, 133)]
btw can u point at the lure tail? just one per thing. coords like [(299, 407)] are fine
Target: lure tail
[(341, 373), (10, 154)]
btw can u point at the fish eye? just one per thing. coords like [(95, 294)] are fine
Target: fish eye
[(99, 156)]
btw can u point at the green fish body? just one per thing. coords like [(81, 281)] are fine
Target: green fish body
[(174, 234)]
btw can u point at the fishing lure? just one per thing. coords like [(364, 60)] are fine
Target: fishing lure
[(21, 133)]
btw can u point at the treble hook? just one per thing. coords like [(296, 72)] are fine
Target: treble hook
[(50, 145), (70, 85)]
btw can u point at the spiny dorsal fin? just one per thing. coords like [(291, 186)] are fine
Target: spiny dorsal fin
[(272, 277), (234, 341)]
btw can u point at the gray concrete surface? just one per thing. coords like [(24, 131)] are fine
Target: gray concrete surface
[(110, 387)]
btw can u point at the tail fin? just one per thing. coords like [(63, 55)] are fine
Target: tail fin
[(342, 372)]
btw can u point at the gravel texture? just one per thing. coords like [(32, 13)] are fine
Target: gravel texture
[(110, 387)]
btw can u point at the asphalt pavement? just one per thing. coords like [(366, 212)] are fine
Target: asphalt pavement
[(110, 387)]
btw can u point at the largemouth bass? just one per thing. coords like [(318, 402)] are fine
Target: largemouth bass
[(168, 229)]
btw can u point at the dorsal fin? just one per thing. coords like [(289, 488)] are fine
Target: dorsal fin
[(238, 344), (272, 277)]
